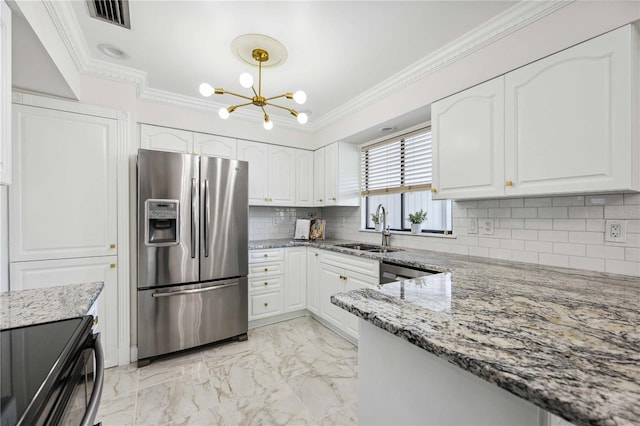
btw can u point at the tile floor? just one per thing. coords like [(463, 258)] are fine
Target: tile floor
[(296, 372)]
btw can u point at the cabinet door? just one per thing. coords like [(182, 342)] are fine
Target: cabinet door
[(304, 177), (214, 146), (331, 174), (63, 200), (313, 280), (331, 282), (256, 154), (282, 176), (5, 94), (295, 279), (568, 119), (356, 281), (318, 177), (49, 273), (165, 139), (468, 142)]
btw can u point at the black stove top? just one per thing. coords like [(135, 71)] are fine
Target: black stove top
[(31, 361)]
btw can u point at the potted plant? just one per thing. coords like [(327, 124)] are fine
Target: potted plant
[(416, 220), (377, 219)]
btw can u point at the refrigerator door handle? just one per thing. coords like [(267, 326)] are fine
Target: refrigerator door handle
[(195, 290), (207, 217), (194, 207)]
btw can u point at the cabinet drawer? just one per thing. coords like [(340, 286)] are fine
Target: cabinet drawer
[(267, 268), (258, 284), (362, 265), (265, 304), (266, 255)]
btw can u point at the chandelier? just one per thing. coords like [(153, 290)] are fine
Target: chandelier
[(246, 81)]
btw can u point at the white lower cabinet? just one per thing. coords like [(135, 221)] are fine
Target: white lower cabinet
[(49, 273), (313, 280), (266, 278), (339, 273), (295, 277)]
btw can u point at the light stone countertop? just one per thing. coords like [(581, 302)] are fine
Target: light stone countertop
[(27, 307), (566, 340)]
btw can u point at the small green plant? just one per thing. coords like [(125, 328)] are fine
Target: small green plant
[(377, 218), (417, 217)]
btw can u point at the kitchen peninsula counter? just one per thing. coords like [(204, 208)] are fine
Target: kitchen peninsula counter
[(566, 340), (27, 307)]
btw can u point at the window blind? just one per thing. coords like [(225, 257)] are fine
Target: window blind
[(397, 165)]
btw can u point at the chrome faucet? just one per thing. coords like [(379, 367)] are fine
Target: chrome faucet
[(385, 228)]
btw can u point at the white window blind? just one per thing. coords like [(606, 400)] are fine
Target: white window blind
[(397, 165)]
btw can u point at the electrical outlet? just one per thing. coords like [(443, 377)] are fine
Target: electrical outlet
[(275, 221), (473, 226), (486, 226), (615, 231)]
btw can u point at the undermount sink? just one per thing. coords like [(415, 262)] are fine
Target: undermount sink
[(368, 247)]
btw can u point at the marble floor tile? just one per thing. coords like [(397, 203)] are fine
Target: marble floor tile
[(295, 372), (182, 401)]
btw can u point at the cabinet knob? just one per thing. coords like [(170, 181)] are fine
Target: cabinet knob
[(266, 282), (433, 190), (266, 199), (320, 200), (266, 304), (508, 183), (112, 246), (95, 320), (333, 198), (317, 255), (270, 199), (266, 269), (112, 266), (266, 255)]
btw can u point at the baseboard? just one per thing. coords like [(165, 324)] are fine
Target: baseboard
[(278, 318), (334, 329)]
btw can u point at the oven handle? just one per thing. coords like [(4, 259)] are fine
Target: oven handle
[(96, 393), (195, 290)]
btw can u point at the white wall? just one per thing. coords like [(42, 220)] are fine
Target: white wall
[(563, 231)]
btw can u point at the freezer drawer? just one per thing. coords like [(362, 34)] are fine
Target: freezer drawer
[(180, 317)]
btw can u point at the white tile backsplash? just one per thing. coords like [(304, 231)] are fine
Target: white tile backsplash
[(277, 222), (565, 231)]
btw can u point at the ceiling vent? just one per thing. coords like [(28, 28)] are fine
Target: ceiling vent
[(113, 11)]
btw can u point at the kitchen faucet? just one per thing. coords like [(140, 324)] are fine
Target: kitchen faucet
[(385, 228)]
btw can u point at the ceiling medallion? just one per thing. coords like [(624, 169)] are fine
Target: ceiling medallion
[(266, 58)]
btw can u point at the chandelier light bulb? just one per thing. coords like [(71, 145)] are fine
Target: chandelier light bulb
[(206, 89), (302, 118), (300, 97), (268, 124), (223, 113), (246, 80)]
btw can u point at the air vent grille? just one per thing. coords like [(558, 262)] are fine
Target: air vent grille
[(113, 11)]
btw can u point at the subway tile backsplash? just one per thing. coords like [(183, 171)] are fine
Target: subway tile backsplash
[(565, 231)]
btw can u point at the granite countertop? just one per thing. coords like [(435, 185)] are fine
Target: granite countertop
[(27, 307), (566, 340)]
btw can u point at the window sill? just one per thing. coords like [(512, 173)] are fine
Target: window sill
[(421, 234)]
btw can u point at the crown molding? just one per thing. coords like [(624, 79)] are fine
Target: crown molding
[(511, 20)]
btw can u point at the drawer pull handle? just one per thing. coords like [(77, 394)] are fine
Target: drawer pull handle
[(433, 190), (266, 283), (266, 269), (320, 200), (266, 255), (334, 198), (112, 246), (508, 183), (112, 266), (266, 304), (95, 320), (317, 255)]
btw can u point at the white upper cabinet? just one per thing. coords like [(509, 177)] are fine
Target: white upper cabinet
[(256, 154), (570, 125), (341, 174), (165, 139), (272, 173), (63, 199), (214, 146), (304, 177), (5, 94), (318, 177), (468, 142)]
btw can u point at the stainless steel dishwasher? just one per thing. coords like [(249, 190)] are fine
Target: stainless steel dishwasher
[(390, 272)]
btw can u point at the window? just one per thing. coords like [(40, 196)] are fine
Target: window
[(397, 174)]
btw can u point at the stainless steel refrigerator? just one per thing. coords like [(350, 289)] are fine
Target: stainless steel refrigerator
[(192, 251)]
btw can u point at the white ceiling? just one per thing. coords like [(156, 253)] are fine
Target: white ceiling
[(336, 50)]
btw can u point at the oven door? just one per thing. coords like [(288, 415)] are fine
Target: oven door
[(85, 387)]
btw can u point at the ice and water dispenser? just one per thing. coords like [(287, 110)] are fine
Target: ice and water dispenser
[(162, 223)]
